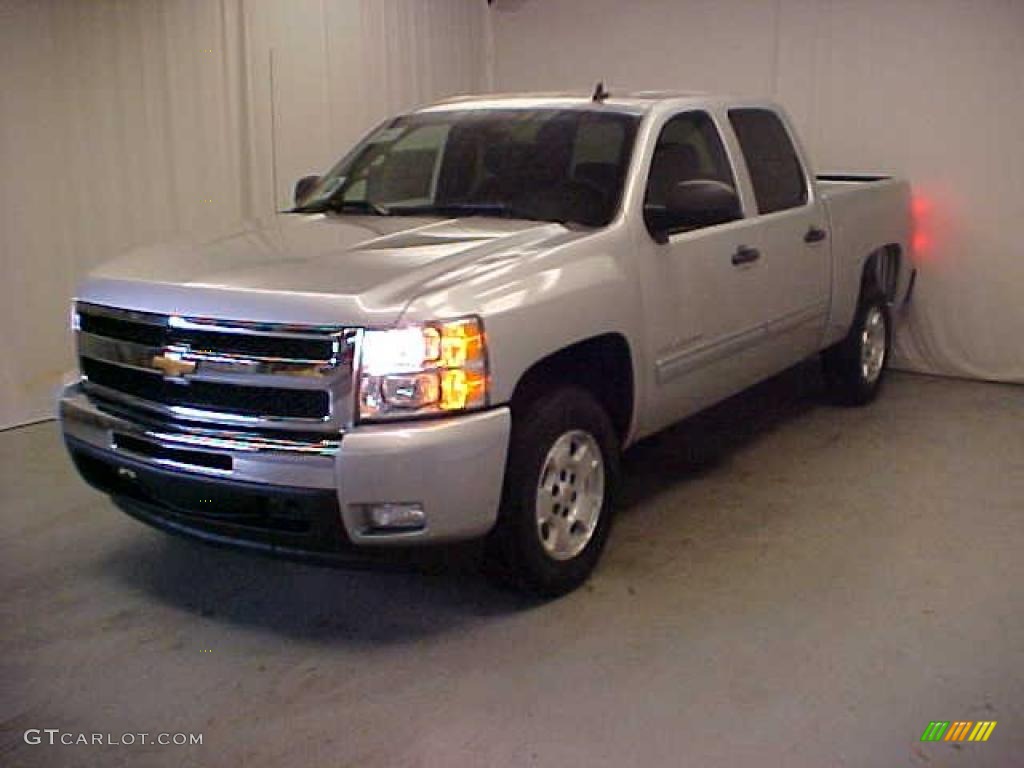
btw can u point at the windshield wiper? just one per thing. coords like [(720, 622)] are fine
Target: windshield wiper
[(497, 210), (344, 206)]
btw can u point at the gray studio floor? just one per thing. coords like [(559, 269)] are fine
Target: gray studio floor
[(790, 584)]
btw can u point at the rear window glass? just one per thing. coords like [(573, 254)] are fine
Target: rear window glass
[(774, 167)]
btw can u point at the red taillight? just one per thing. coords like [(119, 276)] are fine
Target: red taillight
[(920, 242)]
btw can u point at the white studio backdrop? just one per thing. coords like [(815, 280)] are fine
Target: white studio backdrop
[(929, 89), (129, 121)]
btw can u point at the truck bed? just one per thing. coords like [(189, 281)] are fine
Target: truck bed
[(837, 182), (864, 209)]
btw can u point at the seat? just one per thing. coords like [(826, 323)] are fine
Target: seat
[(505, 165), (672, 163), (458, 168), (604, 176)]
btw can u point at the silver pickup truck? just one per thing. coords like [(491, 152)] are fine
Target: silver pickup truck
[(459, 327)]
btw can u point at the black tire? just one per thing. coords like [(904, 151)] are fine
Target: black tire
[(515, 553), (845, 376)]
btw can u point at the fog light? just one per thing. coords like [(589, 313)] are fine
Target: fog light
[(396, 517)]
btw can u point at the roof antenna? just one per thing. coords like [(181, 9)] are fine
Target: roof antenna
[(600, 94)]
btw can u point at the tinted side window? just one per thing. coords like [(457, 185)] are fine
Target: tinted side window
[(775, 169), (688, 149)]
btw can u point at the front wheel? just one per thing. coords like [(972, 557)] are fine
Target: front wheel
[(855, 367), (556, 506)]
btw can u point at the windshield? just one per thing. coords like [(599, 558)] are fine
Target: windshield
[(544, 164)]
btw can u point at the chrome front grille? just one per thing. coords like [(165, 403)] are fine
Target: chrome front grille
[(237, 374)]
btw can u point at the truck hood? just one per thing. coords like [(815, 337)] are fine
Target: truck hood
[(321, 269)]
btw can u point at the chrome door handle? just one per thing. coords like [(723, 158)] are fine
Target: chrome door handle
[(745, 255), (815, 235)]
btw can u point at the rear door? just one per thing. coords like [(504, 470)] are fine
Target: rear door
[(791, 237)]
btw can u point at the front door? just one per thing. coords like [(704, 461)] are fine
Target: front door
[(704, 287)]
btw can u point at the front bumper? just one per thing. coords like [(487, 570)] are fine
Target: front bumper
[(294, 494)]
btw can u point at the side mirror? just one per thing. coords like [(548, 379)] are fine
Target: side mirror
[(304, 186), (690, 204)]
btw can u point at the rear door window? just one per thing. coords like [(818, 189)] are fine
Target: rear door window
[(775, 169)]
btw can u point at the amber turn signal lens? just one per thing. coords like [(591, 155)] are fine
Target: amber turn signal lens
[(461, 343), (460, 387)]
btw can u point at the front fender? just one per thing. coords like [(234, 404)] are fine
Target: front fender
[(546, 302)]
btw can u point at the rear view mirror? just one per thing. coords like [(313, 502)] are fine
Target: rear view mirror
[(692, 204), (304, 186)]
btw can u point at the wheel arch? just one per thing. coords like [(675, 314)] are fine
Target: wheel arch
[(882, 271), (601, 365)]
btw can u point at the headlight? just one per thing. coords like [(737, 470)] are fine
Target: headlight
[(421, 370)]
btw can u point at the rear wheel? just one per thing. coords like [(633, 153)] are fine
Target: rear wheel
[(855, 367), (556, 510)]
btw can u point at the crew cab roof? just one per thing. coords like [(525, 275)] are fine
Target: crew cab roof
[(638, 102)]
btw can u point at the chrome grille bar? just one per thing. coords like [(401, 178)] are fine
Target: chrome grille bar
[(140, 356), (198, 370)]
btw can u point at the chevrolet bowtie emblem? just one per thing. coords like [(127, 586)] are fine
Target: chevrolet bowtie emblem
[(173, 367)]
